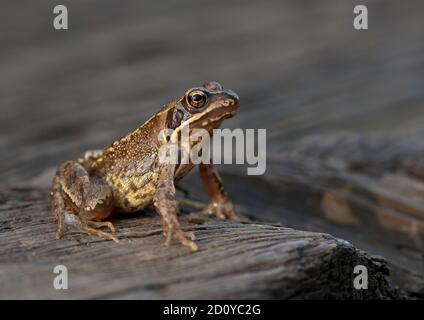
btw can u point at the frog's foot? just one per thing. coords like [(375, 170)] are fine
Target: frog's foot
[(222, 209), (99, 224), (172, 230), (219, 204), (83, 226), (61, 229)]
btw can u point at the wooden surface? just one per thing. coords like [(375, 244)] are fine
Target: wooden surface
[(343, 109), (235, 261), (369, 190)]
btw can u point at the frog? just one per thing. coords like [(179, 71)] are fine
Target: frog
[(128, 176)]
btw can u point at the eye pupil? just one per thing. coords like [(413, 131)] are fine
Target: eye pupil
[(197, 99)]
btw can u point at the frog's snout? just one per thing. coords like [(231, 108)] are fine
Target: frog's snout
[(232, 94), (231, 98)]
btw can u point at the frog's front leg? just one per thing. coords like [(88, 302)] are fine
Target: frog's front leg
[(219, 203), (81, 200), (166, 205)]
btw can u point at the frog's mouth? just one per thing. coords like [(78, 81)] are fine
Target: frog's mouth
[(213, 116), (224, 107)]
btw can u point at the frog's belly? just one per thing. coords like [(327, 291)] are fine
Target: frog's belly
[(133, 194)]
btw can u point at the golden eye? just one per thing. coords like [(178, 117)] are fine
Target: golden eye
[(197, 98)]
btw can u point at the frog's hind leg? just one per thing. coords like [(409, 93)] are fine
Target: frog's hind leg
[(219, 203), (58, 207), (81, 200)]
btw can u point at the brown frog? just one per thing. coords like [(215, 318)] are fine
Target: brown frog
[(128, 175)]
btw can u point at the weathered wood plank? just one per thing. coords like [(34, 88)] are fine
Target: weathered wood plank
[(236, 260), (367, 189)]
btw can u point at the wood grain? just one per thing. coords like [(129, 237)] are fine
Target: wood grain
[(367, 189), (236, 260)]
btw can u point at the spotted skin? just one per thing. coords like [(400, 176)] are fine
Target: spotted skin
[(128, 176)]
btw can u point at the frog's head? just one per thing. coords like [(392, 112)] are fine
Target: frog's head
[(204, 107)]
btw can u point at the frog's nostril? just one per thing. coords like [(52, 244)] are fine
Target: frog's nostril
[(231, 94)]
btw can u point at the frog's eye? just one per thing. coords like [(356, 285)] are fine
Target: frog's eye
[(197, 98)]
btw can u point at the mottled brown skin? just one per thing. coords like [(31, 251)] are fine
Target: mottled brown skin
[(127, 176)]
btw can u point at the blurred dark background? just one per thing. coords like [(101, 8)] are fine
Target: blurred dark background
[(301, 69)]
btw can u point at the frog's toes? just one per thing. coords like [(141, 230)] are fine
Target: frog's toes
[(101, 234), (85, 226), (185, 238), (99, 224), (61, 229), (60, 233), (222, 210), (191, 235), (189, 243)]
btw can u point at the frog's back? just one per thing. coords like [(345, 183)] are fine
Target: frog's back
[(128, 166)]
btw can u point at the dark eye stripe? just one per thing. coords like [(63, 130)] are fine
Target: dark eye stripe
[(174, 119)]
